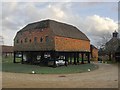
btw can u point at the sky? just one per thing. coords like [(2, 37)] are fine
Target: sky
[(95, 19)]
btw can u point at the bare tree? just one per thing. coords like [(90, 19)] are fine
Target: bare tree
[(109, 45), (104, 38)]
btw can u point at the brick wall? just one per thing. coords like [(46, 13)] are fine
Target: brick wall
[(69, 44), (57, 43), (94, 54), (31, 45)]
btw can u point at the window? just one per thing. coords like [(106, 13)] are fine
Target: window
[(41, 39), (21, 41), (30, 40), (25, 39), (35, 39), (47, 39)]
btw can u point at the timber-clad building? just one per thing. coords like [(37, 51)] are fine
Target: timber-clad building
[(51, 38), (112, 47)]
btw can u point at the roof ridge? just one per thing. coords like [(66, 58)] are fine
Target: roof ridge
[(58, 28)]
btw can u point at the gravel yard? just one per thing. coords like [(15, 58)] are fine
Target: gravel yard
[(106, 76)]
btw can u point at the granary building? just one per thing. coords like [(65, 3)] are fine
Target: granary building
[(51, 39)]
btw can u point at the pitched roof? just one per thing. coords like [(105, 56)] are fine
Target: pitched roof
[(7, 49), (92, 46), (58, 28), (113, 44), (113, 40)]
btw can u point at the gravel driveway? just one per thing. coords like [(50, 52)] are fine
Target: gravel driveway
[(106, 76)]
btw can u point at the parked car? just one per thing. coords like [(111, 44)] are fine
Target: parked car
[(60, 62), (57, 62)]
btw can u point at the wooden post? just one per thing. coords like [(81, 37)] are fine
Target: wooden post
[(42, 55), (14, 60), (29, 57), (53, 56), (77, 57), (32, 57), (82, 58), (22, 58), (42, 58), (88, 57), (71, 58), (54, 59), (66, 58)]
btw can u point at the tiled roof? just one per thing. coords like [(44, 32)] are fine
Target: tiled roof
[(58, 28), (113, 44), (7, 49), (92, 46)]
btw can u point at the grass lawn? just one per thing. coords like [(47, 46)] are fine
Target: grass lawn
[(9, 66)]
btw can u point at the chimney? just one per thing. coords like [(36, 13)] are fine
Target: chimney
[(115, 34)]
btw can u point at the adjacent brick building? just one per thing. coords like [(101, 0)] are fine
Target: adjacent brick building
[(7, 50), (94, 53), (52, 38)]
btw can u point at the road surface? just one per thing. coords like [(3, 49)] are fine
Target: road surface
[(106, 76)]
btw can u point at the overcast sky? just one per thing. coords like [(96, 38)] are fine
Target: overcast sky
[(92, 18)]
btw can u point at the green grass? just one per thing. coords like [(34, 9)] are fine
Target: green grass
[(8, 66), (10, 60)]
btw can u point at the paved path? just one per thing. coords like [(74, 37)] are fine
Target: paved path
[(104, 77)]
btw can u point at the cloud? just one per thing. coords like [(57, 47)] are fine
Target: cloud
[(20, 14), (96, 27), (16, 15), (98, 23)]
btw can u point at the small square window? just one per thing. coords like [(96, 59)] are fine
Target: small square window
[(47, 39), (25, 39), (21, 41), (41, 39), (30, 40)]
